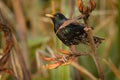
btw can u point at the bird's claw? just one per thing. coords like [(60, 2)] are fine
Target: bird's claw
[(87, 29), (64, 59)]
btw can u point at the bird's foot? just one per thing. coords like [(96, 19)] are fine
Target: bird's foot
[(64, 59), (87, 29), (68, 59)]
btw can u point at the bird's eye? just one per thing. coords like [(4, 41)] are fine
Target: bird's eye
[(57, 15)]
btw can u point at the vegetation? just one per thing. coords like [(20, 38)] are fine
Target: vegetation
[(30, 35)]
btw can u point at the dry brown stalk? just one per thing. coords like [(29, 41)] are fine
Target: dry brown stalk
[(83, 70), (86, 10), (94, 53), (21, 29), (113, 68), (10, 43)]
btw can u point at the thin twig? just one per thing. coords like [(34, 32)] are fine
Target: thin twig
[(25, 71), (53, 6), (113, 68), (83, 70), (72, 8)]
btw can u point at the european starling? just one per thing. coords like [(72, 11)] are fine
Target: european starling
[(72, 34)]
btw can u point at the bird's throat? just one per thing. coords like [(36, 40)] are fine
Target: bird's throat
[(57, 24)]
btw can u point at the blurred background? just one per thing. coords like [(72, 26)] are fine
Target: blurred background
[(35, 35)]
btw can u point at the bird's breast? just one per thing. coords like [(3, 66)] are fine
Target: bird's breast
[(71, 35)]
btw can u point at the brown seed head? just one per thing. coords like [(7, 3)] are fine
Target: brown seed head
[(86, 9)]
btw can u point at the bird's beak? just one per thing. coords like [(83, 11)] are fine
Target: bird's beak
[(49, 15)]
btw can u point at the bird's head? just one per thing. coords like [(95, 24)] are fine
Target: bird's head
[(57, 18)]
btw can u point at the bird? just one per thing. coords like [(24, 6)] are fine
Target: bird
[(72, 34)]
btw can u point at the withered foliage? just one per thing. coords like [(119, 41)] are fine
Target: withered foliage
[(8, 49), (61, 59), (8, 46)]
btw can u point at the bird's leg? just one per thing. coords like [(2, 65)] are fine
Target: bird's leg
[(72, 52), (73, 49)]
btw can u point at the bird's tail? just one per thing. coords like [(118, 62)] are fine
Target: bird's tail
[(98, 40)]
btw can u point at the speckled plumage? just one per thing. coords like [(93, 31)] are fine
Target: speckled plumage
[(73, 34)]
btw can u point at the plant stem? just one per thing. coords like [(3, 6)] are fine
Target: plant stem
[(21, 30), (93, 47)]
